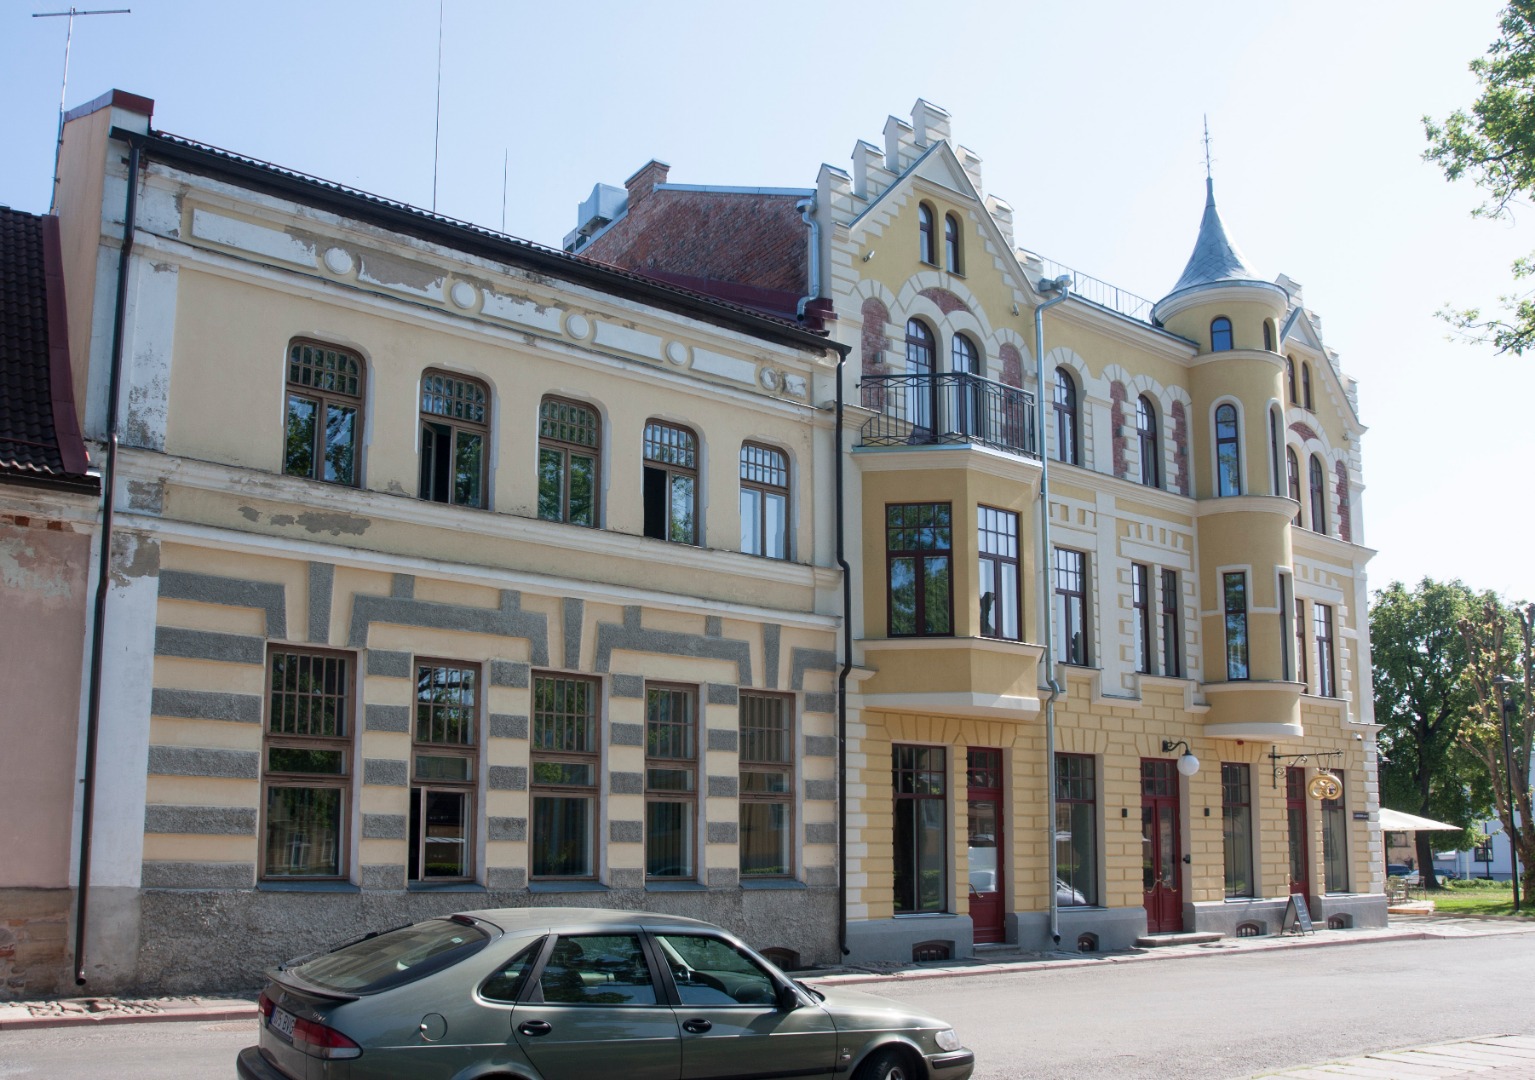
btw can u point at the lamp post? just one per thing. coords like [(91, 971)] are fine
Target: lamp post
[(1487, 848), (1502, 682)]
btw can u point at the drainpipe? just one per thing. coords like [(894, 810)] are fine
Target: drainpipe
[(1061, 286), (103, 569), (842, 674), (806, 208)]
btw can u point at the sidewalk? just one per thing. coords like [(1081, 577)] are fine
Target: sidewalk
[(1495, 1057), (90, 1011)]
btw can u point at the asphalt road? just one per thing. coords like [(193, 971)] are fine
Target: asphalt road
[(1221, 1016)]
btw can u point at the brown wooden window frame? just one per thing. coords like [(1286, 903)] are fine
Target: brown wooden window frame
[(448, 406), (685, 764), (933, 537), (919, 774), (1316, 477), (953, 249), (1292, 469), (1172, 625), (1068, 418), (1140, 606), (561, 422), (1237, 829), (1302, 663), (1221, 337), (465, 748), (927, 250), (1322, 629), (767, 778), (1238, 639), (1150, 445), (1305, 387), (1076, 800), (564, 737), (997, 543), (1069, 582), (765, 476), (1228, 450), (324, 395), (671, 456), (338, 686)]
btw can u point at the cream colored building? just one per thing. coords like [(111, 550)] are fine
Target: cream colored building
[(1204, 598), (449, 572)]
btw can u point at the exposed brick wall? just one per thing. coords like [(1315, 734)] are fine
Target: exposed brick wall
[(1345, 516), (1012, 365), (871, 343), (1180, 446), (1305, 431), (1117, 421), (947, 302), (740, 238)]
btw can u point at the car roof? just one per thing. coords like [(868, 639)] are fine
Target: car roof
[(571, 919)]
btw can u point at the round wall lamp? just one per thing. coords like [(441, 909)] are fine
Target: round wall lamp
[(1188, 764)]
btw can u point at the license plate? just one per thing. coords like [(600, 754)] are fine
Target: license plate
[(282, 1022)]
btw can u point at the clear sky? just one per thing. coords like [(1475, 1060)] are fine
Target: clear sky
[(1087, 116)]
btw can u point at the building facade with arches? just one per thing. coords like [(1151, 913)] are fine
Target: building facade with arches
[(1199, 601)]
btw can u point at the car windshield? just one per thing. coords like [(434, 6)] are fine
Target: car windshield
[(395, 957)]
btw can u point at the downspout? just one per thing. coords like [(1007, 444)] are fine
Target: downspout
[(842, 674), (103, 569), (1061, 286), (806, 208)]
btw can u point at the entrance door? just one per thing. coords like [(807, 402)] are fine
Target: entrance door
[(1300, 835), (985, 794), (1160, 847)]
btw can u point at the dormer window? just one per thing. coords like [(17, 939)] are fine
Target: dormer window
[(1220, 334), (1228, 454)]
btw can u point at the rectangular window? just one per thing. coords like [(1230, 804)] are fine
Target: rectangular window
[(671, 781), (767, 785), (306, 764), (1300, 837), (1237, 823), (1301, 675), (1235, 591), (1326, 683), (1071, 606), (1335, 842), (921, 781), (1284, 626), (1076, 830), (564, 759), (1140, 603), (1172, 625), (1000, 597), (918, 553), (444, 772), (764, 501)]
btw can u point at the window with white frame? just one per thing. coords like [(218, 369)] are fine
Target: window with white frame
[(764, 501)]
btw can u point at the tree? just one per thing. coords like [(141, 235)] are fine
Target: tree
[(1495, 145), (1500, 648), (1423, 705)]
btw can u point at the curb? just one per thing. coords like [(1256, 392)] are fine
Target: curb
[(21, 1017)]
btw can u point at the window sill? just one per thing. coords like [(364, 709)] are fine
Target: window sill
[(676, 886), (772, 883), (307, 886), (566, 887), (444, 886)]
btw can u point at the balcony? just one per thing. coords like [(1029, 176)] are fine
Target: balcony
[(947, 408)]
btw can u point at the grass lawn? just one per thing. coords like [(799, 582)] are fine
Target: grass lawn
[(1478, 898)]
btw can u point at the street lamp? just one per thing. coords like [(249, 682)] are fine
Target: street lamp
[(1503, 682)]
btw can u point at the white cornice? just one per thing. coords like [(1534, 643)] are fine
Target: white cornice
[(983, 706), (1256, 732), (979, 459), (1279, 506), (1273, 359)]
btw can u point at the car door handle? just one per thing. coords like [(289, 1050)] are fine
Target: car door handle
[(697, 1025), (534, 1027)]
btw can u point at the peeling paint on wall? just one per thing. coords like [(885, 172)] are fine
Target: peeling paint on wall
[(133, 556), (26, 567)]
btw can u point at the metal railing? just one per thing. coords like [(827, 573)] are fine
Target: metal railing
[(947, 407), (1086, 287)]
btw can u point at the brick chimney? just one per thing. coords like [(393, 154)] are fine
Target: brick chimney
[(641, 184)]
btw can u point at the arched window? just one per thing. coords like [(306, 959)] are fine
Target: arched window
[(1067, 446), (671, 483), (925, 249), (764, 501), (1305, 387), (1289, 378), (1220, 334), (1318, 496), (952, 256), (964, 357), (1268, 335), (970, 395), (1293, 466), (1228, 453), (453, 435), (920, 352), (324, 414), (1151, 451), (1274, 458), (569, 449)]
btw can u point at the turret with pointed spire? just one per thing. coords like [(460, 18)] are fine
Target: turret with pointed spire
[(1216, 263)]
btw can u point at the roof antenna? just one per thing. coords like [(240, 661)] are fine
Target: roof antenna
[(505, 153), (437, 127), (58, 146)]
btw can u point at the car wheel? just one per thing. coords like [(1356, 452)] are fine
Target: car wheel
[(885, 1065)]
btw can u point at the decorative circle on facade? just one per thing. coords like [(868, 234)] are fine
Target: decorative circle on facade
[(769, 379), (338, 260), (677, 352), (578, 326), (464, 295)]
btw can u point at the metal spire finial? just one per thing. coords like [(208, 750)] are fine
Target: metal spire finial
[(1207, 146)]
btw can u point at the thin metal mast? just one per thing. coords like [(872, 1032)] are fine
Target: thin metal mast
[(437, 129), (58, 145)]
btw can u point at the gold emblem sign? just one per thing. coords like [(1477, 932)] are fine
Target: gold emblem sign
[(1324, 786)]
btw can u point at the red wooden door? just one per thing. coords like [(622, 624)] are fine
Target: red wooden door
[(1300, 836), (1161, 848), (985, 796)]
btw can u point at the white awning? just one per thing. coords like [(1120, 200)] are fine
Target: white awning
[(1396, 821)]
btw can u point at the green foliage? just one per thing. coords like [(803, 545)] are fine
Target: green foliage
[(1494, 144)]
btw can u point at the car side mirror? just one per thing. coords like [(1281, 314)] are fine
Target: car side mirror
[(788, 998)]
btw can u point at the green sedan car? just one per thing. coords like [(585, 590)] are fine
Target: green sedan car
[(573, 994)]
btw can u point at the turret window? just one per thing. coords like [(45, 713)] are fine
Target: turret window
[(1228, 453), (1236, 625), (1220, 334)]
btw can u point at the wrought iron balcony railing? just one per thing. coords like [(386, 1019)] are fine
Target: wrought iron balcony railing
[(947, 407)]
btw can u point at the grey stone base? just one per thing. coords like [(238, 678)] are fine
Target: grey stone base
[(1113, 929), (1225, 917), (890, 941), (222, 940), (1361, 910)]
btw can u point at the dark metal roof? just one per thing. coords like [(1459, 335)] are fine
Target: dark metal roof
[(40, 438), (468, 237)]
